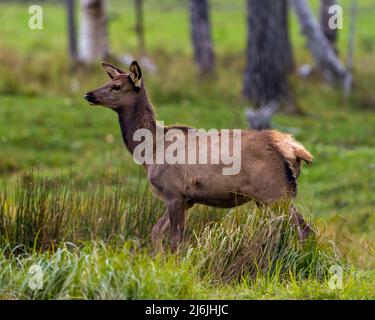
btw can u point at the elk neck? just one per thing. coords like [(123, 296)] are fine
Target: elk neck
[(139, 116)]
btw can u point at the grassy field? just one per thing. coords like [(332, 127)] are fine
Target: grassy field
[(73, 202)]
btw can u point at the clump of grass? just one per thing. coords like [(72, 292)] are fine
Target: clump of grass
[(95, 271), (261, 242), (39, 213)]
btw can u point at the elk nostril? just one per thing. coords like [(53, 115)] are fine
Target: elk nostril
[(88, 96)]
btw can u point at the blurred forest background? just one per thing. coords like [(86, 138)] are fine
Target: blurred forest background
[(209, 64)]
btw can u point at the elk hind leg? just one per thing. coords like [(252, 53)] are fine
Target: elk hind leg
[(304, 230), (176, 211), (158, 231)]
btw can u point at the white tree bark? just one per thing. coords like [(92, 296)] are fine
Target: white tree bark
[(323, 53), (93, 42)]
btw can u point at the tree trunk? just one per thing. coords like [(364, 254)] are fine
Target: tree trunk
[(201, 36), (93, 44), (72, 32), (349, 57), (326, 60), (353, 17), (269, 54), (325, 16), (139, 27), (287, 53)]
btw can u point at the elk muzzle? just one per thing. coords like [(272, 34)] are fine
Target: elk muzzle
[(90, 97)]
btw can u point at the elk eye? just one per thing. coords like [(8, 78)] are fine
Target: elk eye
[(116, 87)]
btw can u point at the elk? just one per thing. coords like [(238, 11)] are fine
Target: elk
[(270, 160)]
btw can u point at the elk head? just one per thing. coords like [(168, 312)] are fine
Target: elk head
[(121, 91)]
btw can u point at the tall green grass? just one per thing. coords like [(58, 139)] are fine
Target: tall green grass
[(95, 271), (262, 241), (93, 242), (40, 213), (98, 271)]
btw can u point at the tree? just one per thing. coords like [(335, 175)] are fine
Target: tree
[(325, 16), (322, 51), (287, 53), (349, 57), (269, 53), (72, 34), (353, 16), (139, 28), (93, 42), (201, 35)]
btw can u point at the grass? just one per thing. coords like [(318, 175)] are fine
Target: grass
[(96, 271), (73, 201), (97, 246), (92, 242)]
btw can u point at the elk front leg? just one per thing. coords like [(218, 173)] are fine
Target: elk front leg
[(304, 230), (176, 212), (158, 231)]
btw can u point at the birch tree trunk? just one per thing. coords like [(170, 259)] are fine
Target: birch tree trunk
[(269, 54), (327, 61), (201, 35), (93, 42)]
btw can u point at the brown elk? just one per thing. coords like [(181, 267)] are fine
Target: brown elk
[(270, 160)]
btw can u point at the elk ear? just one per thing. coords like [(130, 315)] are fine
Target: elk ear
[(135, 74), (111, 70)]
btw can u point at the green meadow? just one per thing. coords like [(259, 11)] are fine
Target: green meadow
[(73, 202)]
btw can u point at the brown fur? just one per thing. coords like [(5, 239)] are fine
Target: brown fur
[(270, 162)]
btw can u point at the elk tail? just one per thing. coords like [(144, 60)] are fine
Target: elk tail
[(291, 149)]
